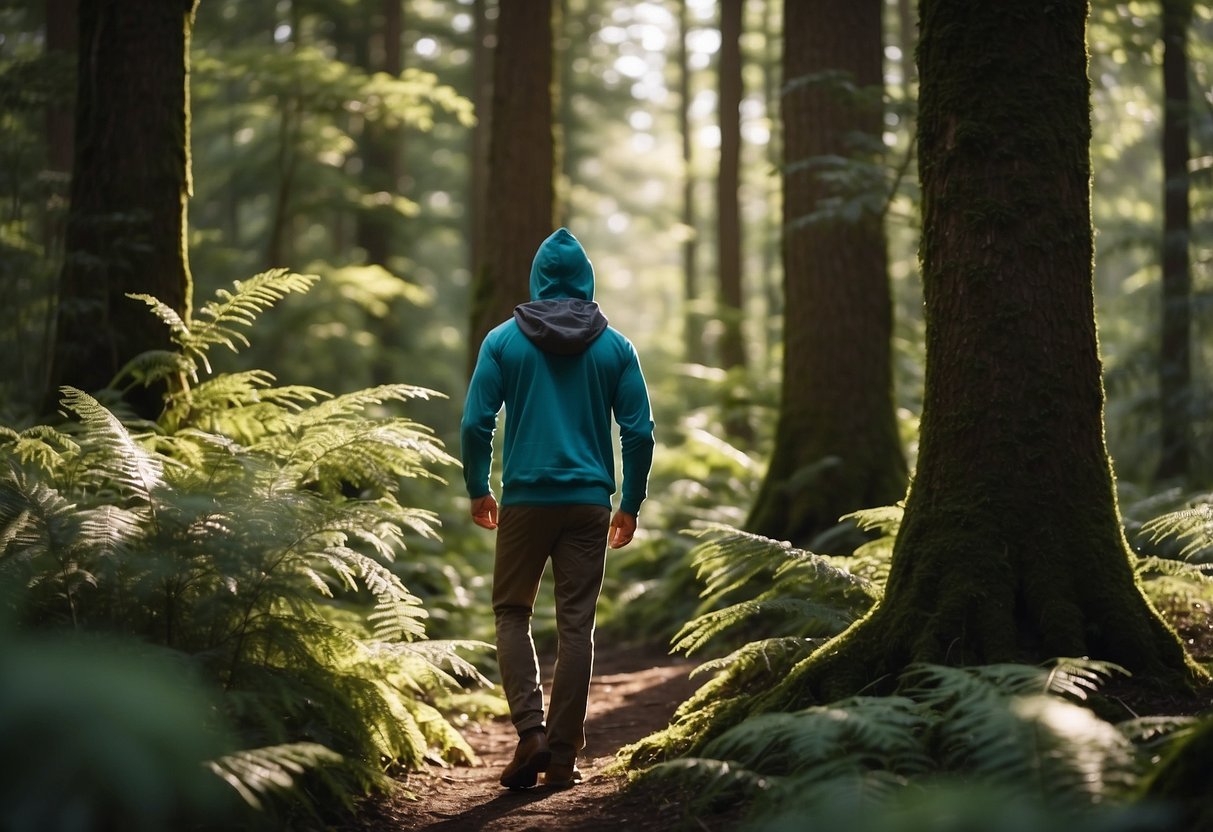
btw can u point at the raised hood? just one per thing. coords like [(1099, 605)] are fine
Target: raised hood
[(562, 317)]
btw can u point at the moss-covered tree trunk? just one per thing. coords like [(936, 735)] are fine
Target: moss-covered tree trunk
[(836, 443), (521, 201), (130, 183), (1011, 547)]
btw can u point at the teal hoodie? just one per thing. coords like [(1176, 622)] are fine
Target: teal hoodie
[(561, 372)]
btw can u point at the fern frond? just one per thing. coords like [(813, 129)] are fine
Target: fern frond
[(850, 735), (885, 519), (1149, 732), (108, 531), (109, 450), (805, 618), (1153, 567), (444, 655), (1078, 677), (996, 720), (769, 657), (358, 402), (41, 445), (937, 684), (398, 619), (151, 366), (1193, 526), (847, 795), (255, 772), (709, 781), (215, 322), (168, 315), (730, 558)]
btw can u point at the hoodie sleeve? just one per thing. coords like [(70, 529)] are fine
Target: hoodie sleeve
[(484, 400), (635, 418)]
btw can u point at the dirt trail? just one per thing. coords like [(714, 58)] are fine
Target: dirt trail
[(633, 694)]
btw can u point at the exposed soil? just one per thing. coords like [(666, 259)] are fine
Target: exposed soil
[(634, 693)]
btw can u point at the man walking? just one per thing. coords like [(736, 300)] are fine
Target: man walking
[(561, 372)]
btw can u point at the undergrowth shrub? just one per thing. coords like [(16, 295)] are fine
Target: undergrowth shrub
[(250, 532), (951, 743)]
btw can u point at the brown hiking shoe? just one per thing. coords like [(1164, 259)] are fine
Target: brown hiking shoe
[(530, 758), (562, 776)]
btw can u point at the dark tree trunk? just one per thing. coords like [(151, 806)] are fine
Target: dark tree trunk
[(692, 316), (130, 182), (521, 191), (61, 37), (728, 220), (836, 442), (1011, 547), (382, 146), (482, 98), (1175, 356)]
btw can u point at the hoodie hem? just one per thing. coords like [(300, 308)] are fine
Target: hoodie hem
[(554, 495)]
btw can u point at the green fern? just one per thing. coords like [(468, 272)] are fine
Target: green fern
[(1193, 526), (800, 617), (215, 323), (1009, 727), (255, 772), (253, 531)]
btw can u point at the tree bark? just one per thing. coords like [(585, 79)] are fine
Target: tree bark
[(382, 146), (130, 183), (61, 37), (692, 316), (1175, 355), (1011, 546), (482, 98), (836, 443), (521, 204), (728, 183)]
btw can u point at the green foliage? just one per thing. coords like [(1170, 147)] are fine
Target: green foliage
[(949, 734), (252, 532), (1007, 729), (104, 734), (806, 593)]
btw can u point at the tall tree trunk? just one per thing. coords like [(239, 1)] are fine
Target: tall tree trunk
[(482, 99), (728, 183), (279, 249), (772, 265), (731, 303), (521, 190), (836, 442), (692, 315), (380, 145), (60, 38), (1175, 356), (130, 183), (1011, 547)]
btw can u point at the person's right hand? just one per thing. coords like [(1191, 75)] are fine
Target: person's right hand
[(623, 528), (484, 511)]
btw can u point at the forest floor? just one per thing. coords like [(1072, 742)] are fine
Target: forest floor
[(633, 694)]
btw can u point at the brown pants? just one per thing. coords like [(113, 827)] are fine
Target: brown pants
[(574, 537)]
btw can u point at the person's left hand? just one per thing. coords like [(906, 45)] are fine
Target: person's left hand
[(484, 511), (623, 527)]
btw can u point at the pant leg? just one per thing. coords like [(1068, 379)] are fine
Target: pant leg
[(525, 537), (578, 562)]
